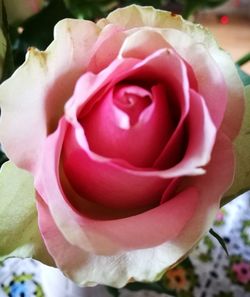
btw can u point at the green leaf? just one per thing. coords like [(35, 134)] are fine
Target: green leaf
[(241, 182), (19, 233), (220, 240)]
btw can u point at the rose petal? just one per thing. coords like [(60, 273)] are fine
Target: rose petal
[(142, 42), (106, 48), (100, 234), (135, 16), (207, 72), (120, 69), (38, 107), (109, 137), (201, 136), (142, 264), (128, 191)]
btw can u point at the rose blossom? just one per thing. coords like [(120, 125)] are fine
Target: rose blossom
[(127, 126)]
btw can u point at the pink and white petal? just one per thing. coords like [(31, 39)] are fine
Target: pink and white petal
[(133, 69), (30, 109), (222, 163), (108, 136), (91, 178), (136, 16), (143, 264), (188, 42), (210, 80), (201, 133), (218, 69), (90, 85), (235, 108), (107, 47), (108, 236), (88, 269), (142, 43)]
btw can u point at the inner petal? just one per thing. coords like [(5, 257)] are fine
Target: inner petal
[(130, 123), (132, 100)]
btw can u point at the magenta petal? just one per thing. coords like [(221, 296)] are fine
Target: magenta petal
[(101, 237), (201, 133), (109, 132), (128, 191), (90, 85), (106, 49), (151, 224)]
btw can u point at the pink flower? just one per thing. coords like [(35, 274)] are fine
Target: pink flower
[(127, 126), (242, 271)]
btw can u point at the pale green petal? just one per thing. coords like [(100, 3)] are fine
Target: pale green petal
[(32, 100), (241, 182), (19, 234)]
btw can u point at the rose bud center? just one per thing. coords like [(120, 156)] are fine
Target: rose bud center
[(130, 123), (132, 100)]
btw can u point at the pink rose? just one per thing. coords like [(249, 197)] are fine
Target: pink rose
[(127, 126)]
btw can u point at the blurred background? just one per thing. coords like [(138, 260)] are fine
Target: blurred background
[(230, 24)]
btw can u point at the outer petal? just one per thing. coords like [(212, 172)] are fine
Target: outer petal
[(136, 16), (106, 48), (241, 182), (18, 215), (142, 264), (34, 112)]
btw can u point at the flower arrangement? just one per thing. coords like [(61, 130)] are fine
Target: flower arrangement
[(115, 134)]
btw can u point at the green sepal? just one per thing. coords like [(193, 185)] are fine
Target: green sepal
[(19, 233), (241, 182)]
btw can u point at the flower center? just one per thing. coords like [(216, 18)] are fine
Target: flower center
[(132, 100)]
